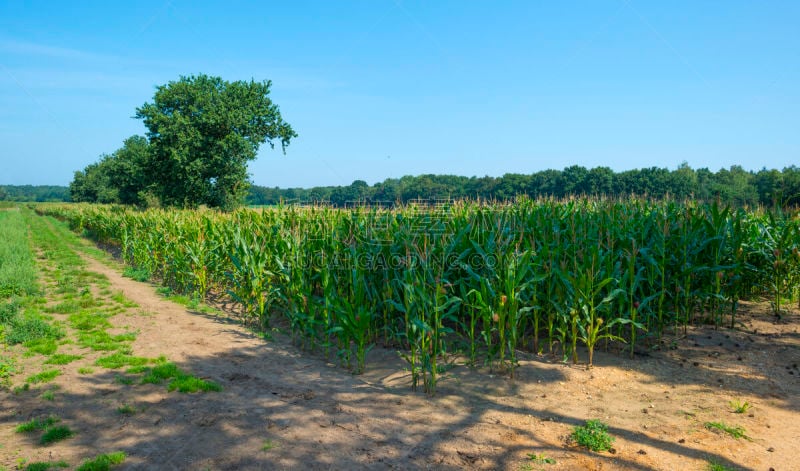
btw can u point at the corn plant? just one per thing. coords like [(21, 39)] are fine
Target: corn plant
[(496, 277), (252, 278)]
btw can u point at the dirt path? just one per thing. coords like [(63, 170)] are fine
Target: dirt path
[(285, 409)]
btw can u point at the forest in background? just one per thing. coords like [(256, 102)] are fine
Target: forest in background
[(739, 187), (34, 193)]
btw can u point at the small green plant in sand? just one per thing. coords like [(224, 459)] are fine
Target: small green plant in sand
[(594, 436), (103, 462), (740, 407), (734, 431)]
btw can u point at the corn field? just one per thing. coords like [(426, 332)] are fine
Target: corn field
[(481, 280)]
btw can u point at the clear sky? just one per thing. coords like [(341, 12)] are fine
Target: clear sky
[(386, 88)]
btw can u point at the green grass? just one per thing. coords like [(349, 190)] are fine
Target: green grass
[(181, 381), (17, 266), (46, 346), (85, 370), (137, 274), (102, 462), (67, 307), (103, 341), (120, 298), (8, 367), (190, 384), (126, 409), (9, 310), (55, 434), (87, 321), (736, 432), (123, 380), (191, 302), (43, 377), (268, 445), (30, 326), (48, 396), (594, 436), (46, 465), (159, 373), (34, 425), (138, 369), (118, 360), (62, 359), (740, 407), (714, 466), (540, 458)]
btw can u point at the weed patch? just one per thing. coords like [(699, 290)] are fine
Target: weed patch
[(190, 384), (181, 381), (8, 311), (138, 274), (268, 445), (714, 466), (159, 373), (41, 346), (118, 360), (594, 436), (137, 369), (123, 380), (87, 321), (740, 407), (120, 299), (62, 359), (540, 459), (103, 462), (34, 425), (30, 327), (66, 307), (46, 465), (43, 377), (736, 432), (7, 368), (55, 434), (103, 341)]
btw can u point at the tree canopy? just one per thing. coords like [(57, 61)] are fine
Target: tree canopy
[(116, 178), (201, 133), (203, 130)]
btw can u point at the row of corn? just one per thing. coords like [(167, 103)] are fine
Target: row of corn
[(482, 280)]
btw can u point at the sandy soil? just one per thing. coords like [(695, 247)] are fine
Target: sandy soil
[(282, 408)]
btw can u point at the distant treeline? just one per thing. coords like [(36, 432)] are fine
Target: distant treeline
[(735, 186), (38, 193)]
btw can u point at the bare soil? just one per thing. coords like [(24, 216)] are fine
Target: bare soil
[(282, 408)]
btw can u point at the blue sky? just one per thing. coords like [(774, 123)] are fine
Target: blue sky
[(387, 88)]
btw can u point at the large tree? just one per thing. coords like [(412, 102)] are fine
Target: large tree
[(116, 178), (126, 171), (203, 130)]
